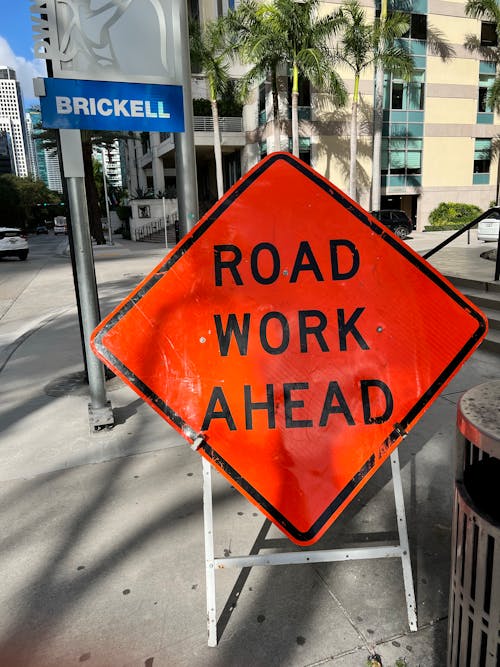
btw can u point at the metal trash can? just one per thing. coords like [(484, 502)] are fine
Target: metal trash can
[(474, 607)]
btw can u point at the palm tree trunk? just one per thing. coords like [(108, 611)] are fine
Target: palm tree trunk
[(95, 224), (378, 110), (217, 149), (295, 111), (276, 112), (354, 150)]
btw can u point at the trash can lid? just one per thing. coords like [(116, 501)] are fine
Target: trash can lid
[(479, 417)]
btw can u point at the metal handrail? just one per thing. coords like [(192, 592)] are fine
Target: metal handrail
[(155, 225), (148, 228), (465, 228)]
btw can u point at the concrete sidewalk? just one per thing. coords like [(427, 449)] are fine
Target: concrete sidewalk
[(102, 535)]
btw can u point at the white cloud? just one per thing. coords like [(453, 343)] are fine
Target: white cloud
[(26, 70)]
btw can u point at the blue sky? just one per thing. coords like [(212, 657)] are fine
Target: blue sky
[(16, 45)]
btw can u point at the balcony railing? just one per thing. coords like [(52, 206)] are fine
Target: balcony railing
[(226, 124)]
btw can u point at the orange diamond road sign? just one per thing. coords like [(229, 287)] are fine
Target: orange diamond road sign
[(296, 336)]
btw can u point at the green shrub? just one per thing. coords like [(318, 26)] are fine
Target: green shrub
[(453, 215), (443, 228)]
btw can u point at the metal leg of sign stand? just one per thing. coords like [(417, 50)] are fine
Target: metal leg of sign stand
[(209, 553), (404, 545), (400, 550)]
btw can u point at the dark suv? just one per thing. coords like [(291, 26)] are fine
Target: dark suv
[(397, 221)]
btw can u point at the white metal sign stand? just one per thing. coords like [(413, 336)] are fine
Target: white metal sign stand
[(213, 563)]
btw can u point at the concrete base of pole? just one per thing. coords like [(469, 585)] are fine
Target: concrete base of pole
[(101, 418)]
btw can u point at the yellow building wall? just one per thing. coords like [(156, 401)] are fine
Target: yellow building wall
[(459, 71), (450, 111), (331, 159), (454, 28), (447, 161)]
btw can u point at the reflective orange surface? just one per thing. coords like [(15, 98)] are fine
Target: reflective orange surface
[(298, 336)]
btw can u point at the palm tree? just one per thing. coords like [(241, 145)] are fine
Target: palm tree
[(306, 38), (291, 33), (487, 10), (209, 52), (378, 111), (257, 45), (363, 44)]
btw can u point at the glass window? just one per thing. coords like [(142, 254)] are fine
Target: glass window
[(416, 92), (262, 97), (482, 156), (262, 103), (482, 99), (401, 156), (488, 34), (408, 95), (418, 26), (397, 95), (485, 84)]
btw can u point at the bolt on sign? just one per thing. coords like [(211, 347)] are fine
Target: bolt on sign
[(294, 339)]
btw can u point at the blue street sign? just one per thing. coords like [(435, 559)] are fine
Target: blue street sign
[(108, 105)]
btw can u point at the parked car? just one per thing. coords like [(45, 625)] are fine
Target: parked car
[(397, 221), (13, 243), (488, 229), (42, 229)]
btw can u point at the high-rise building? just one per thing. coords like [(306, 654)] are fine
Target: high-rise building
[(112, 163), (12, 118), (53, 170), (44, 162), (31, 147)]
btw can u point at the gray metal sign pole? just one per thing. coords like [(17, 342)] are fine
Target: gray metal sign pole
[(100, 411), (185, 155)]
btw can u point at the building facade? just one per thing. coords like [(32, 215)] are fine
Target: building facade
[(112, 163), (438, 131), (113, 169), (12, 118)]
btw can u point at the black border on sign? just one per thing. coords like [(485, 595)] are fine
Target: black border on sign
[(211, 452)]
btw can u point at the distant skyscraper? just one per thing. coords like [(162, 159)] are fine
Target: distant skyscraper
[(31, 147), (53, 170), (112, 160), (12, 118), (44, 162)]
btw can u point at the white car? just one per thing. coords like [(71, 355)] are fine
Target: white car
[(13, 243), (487, 229)]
